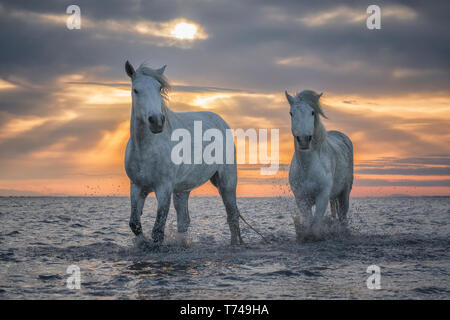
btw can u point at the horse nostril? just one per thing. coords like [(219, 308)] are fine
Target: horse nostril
[(151, 119)]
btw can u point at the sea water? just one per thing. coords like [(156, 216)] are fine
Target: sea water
[(41, 238)]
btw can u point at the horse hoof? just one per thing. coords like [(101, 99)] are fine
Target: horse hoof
[(154, 247), (235, 243), (144, 243)]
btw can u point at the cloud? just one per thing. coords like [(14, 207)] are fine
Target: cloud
[(431, 165), (18, 126), (314, 62), (409, 171), (414, 73), (344, 15), (5, 85), (180, 88), (402, 183), (160, 33), (243, 44), (19, 193)]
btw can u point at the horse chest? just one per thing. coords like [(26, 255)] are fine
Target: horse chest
[(311, 181), (137, 173), (308, 179), (141, 172)]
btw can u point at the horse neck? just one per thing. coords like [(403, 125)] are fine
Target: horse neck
[(318, 141), (319, 135)]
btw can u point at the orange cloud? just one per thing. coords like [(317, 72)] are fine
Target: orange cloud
[(380, 127)]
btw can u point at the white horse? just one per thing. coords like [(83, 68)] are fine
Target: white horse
[(148, 161), (322, 166)]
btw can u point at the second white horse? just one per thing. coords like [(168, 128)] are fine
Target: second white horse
[(322, 166)]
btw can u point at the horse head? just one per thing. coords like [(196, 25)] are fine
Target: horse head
[(148, 87), (305, 114)]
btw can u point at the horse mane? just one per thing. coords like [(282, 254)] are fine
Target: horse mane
[(165, 87), (312, 99)]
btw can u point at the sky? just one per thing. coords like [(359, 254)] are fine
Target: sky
[(65, 99)]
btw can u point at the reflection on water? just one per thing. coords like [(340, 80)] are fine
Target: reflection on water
[(151, 268), (407, 237)]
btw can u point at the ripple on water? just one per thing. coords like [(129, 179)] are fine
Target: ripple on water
[(432, 290), (283, 273), (49, 277)]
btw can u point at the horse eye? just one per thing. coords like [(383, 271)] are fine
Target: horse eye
[(135, 91), (290, 113), (312, 113)]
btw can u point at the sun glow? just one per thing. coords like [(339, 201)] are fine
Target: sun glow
[(184, 30), (6, 85)]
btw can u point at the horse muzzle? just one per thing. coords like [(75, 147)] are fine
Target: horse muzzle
[(156, 123), (303, 142)]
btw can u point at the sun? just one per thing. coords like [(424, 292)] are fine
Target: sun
[(184, 30)]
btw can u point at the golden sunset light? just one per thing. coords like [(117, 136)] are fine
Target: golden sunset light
[(6, 85), (184, 30), (80, 118), (403, 115)]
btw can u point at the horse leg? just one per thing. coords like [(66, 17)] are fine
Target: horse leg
[(226, 184), (344, 202), (137, 196), (180, 202), (334, 207), (321, 207), (163, 198), (304, 206)]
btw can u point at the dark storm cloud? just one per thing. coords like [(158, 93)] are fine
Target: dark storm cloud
[(245, 41), (23, 101)]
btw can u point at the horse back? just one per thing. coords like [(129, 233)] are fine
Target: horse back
[(340, 141), (209, 119), (342, 149)]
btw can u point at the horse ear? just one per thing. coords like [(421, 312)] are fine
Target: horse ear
[(129, 69), (162, 69), (289, 98), (319, 95)]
